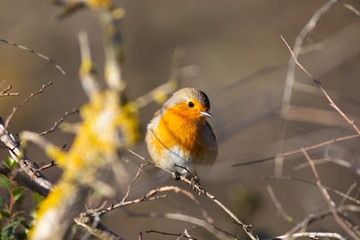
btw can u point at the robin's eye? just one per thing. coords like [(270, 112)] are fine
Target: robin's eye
[(191, 104)]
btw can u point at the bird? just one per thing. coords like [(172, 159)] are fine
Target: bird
[(179, 138)]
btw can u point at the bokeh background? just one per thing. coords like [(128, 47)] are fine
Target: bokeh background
[(236, 56)]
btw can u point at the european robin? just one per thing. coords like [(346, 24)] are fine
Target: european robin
[(179, 138)]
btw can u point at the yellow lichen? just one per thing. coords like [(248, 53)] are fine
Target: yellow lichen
[(106, 4)]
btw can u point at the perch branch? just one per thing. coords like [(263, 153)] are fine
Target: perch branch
[(247, 228)]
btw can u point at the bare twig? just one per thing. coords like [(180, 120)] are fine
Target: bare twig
[(171, 234), (352, 9), (327, 198), (352, 186), (278, 205), (132, 183), (333, 160), (34, 52), (312, 218), (165, 189), (46, 166), (5, 92), (318, 83), (187, 234), (15, 109), (312, 147), (186, 218), (312, 235), (345, 196), (57, 123), (290, 78), (122, 204)]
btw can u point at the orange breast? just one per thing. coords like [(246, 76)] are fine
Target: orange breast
[(180, 128)]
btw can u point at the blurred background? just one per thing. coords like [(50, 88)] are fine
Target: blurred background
[(236, 56)]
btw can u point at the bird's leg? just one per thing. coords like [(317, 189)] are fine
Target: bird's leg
[(176, 176), (195, 181)]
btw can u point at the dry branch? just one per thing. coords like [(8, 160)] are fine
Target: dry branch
[(309, 148), (277, 204), (318, 83), (328, 200), (34, 52), (290, 78), (181, 217), (57, 123), (5, 92), (312, 235), (15, 109), (24, 162), (247, 228)]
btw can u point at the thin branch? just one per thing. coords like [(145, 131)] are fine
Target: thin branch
[(312, 235), (185, 218), (46, 166), (278, 205), (122, 204), (333, 160), (345, 196), (327, 198), (290, 79), (310, 25), (247, 228), (187, 234), (5, 92), (312, 147), (352, 9), (171, 234), (318, 83), (352, 186), (163, 189), (15, 109), (57, 123), (34, 52), (133, 181)]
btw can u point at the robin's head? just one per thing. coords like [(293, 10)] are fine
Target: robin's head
[(190, 102)]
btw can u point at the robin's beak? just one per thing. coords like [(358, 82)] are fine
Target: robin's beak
[(206, 113)]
